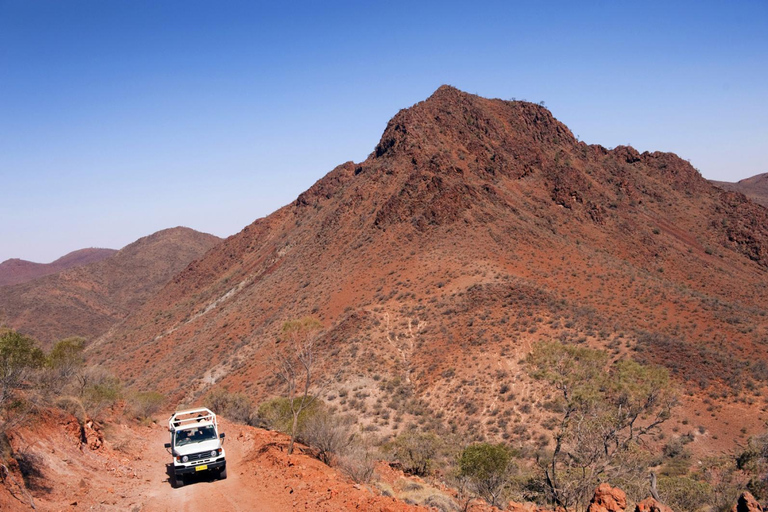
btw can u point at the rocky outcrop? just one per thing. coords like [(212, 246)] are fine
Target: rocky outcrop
[(608, 499), (747, 503), (514, 506), (651, 505)]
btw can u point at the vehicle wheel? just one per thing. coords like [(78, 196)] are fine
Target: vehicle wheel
[(178, 481), (223, 474)]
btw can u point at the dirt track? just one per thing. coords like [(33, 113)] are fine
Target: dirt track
[(123, 467), (203, 492)]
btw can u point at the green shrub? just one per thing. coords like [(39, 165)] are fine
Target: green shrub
[(234, 406), (66, 356), (73, 406), (145, 404), (18, 355), (684, 494), (416, 451), (99, 390), (276, 414), (754, 461), (487, 468)]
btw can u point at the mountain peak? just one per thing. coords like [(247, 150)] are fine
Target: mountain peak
[(450, 117)]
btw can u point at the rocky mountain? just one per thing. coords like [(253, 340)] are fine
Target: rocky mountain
[(15, 271), (755, 188), (89, 299), (476, 228)]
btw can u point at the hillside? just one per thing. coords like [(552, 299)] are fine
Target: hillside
[(15, 271), (475, 228), (755, 188), (89, 299)]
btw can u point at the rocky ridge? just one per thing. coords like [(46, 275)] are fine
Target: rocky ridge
[(87, 300), (475, 228), (15, 271)]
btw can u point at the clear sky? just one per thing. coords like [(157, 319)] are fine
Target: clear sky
[(119, 118)]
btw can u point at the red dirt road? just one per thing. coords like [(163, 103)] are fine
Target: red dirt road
[(124, 467), (203, 493)]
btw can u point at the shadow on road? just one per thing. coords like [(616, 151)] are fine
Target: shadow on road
[(194, 478)]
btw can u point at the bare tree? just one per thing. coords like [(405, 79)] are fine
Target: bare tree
[(296, 366)]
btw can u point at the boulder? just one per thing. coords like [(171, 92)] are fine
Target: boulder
[(747, 503), (651, 505), (608, 499)]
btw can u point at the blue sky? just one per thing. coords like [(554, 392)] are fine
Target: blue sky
[(119, 118)]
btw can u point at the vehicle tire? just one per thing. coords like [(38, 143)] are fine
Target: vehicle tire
[(178, 481), (223, 474)]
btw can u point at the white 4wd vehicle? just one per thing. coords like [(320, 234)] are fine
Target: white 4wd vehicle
[(196, 445)]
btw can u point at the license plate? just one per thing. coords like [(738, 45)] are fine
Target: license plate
[(201, 468)]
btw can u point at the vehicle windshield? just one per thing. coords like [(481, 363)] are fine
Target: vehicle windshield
[(195, 435)]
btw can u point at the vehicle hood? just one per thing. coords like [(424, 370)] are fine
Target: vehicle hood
[(203, 446)]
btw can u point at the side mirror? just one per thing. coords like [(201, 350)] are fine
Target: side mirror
[(221, 436), (167, 445)]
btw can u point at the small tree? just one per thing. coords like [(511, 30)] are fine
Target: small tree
[(276, 414), (488, 468), (99, 389), (19, 355), (66, 356), (296, 366), (63, 365), (607, 411)]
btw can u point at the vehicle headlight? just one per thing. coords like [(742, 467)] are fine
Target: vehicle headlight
[(185, 458), (214, 453)]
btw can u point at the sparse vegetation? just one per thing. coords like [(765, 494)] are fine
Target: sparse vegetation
[(754, 460), (416, 451), (328, 433), (234, 406), (19, 356), (296, 367), (277, 414), (145, 404), (608, 410)]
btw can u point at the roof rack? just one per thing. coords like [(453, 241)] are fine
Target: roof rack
[(180, 419)]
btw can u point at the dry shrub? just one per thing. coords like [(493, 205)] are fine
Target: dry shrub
[(234, 406), (331, 435), (357, 463), (73, 406), (99, 390), (146, 404)]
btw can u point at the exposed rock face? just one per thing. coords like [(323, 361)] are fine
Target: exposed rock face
[(747, 503), (651, 505), (476, 228), (608, 499)]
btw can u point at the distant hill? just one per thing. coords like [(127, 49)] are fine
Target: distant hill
[(15, 271), (755, 188), (476, 228), (87, 300)]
